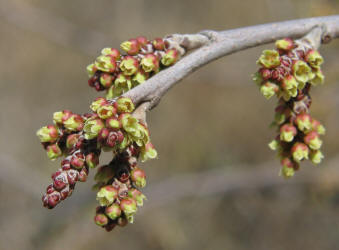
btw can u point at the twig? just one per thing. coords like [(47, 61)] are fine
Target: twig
[(223, 43)]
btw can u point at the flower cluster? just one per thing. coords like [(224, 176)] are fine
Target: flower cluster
[(110, 126), (289, 72), (118, 73)]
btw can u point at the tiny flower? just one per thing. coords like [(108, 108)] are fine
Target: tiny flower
[(92, 160), (53, 151), (302, 72), (128, 206), (150, 63), (110, 94), (170, 57), (72, 140), (74, 123), (124, 105), (105, 63), (57, 117), (304, 122), (111, 52), (314, 58), (130, 124), (290, 87), (269, 89), (113, 211), (131, 47), (83, 174), (138, 176), (112, 123), (106, 80), (318, 78), (257, 78), (312, 140), (158, 44), (316, 156), (48, 133), (97, 103), (122, 84), (316, 126), (103, 134), (287, 169), (78, 160), (92, 128), (101, 220), (269, 59), (105, 111), (284, 44), (139, 78), (129, 65), (265, 73), (148, 152), (274, 145), (137, 196), (107, 195), (299, 151), (287, 132), (142, 40), (91, 69), (281, 114)]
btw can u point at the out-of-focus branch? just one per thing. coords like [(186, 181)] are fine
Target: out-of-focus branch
[(223, 43)]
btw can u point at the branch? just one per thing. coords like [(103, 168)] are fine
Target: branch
[(223, 43)]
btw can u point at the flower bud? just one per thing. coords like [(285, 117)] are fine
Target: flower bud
[(48, 134), (107, 195), (304, 122), (105, 111), (92, 160), (274, 145), (257, 78), (103, 134), (299, 151), (92, 128), (170, 57), (74, 123), (287, 169), (284, 44), (316, 126), (129, 65), (112, 123), (57, 117), (150, 63), (78, 160), (101, 220), (106, 80), (113, 211), (268, 89), (269, 59), (318, 78), (97, 103), (314, 58), (137, 196), (139, 177), (91, 69), (105, 63), (312, 140), (131, 47), (316, 156), (72, 176), (265, 73), (158, 44), (302, 72), (122, 84), (122, 221), (148, 152), (287, 132), (60, 181), (124, 105), (72, 140), (142, 40), (114, 53), (128, 206), (53, 151), (83, 174), (51, 200)]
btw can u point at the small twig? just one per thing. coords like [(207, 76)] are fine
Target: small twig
[(223, 43)]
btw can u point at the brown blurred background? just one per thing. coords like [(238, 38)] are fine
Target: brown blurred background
[(215, 184)]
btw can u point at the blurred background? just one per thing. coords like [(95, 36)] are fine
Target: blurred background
[(215, 184)]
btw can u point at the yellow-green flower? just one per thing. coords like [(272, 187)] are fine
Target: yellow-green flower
[(269, 59)]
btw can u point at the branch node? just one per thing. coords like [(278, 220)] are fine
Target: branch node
[(212, 35)]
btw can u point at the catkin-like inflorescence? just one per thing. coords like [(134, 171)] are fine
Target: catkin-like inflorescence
[(110, 126), (289, 72)]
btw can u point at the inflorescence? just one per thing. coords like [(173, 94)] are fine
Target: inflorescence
[(110, 126), (289, 72)]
